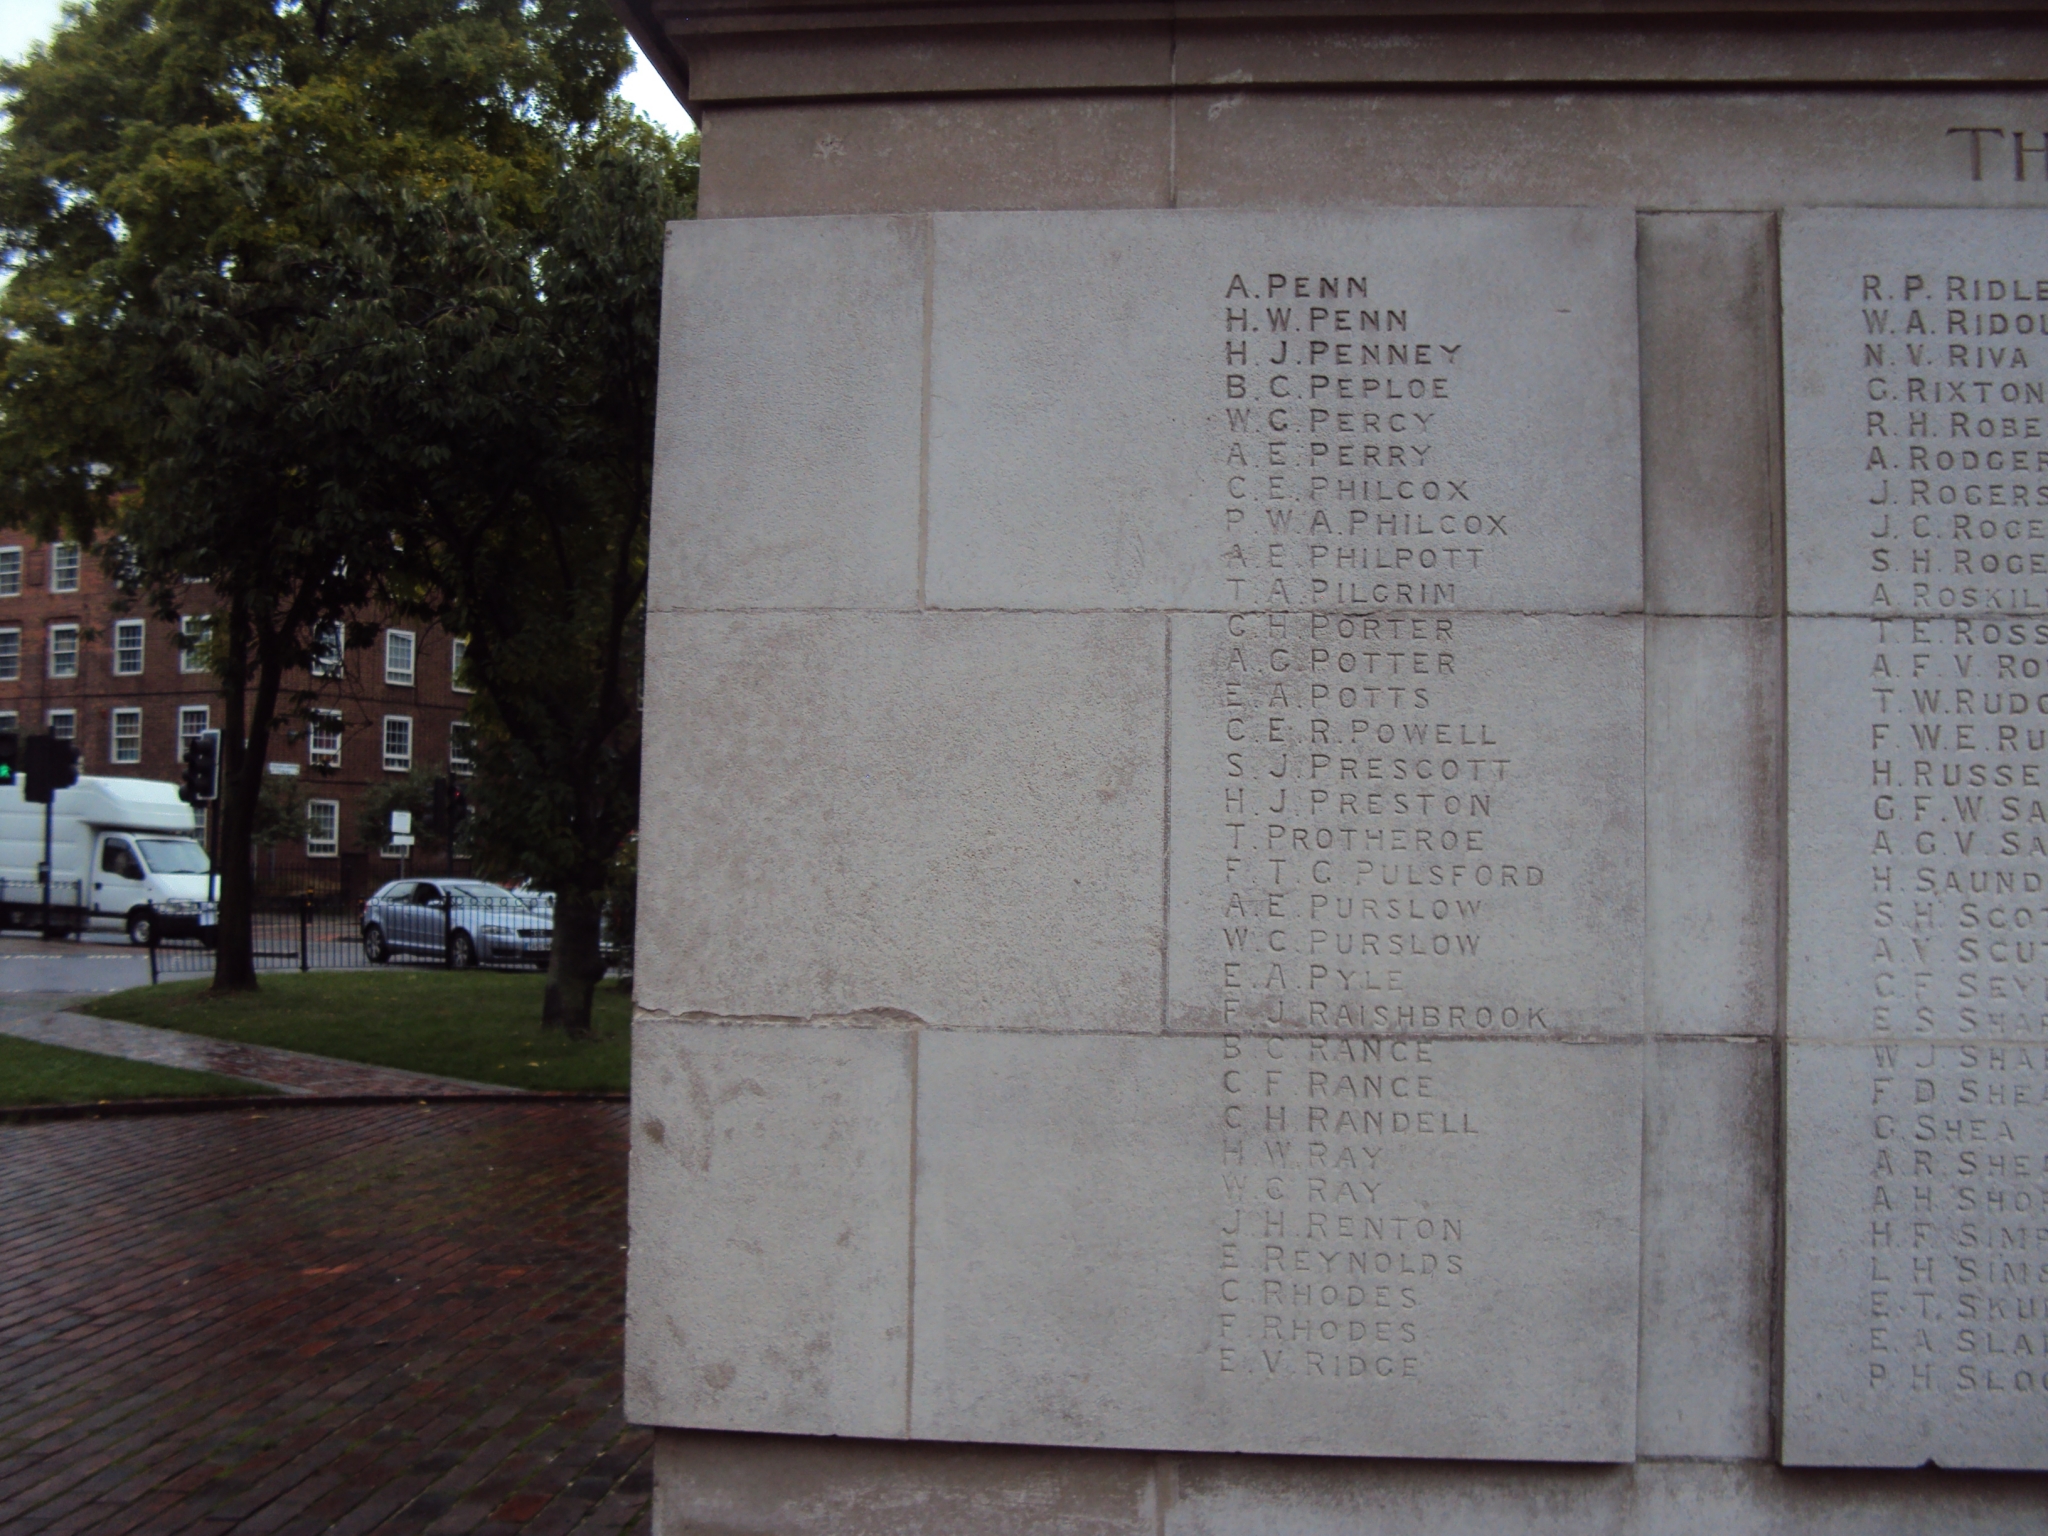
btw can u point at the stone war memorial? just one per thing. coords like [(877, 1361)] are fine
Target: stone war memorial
[(1347, 772)]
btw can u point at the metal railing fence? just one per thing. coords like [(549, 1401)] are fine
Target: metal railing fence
[(328, 932), (284, 873)]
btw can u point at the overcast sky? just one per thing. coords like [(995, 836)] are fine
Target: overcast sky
[(23, 22)]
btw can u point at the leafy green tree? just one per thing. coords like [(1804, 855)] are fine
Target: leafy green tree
[(537, 550), (280, 812), (250, 241), (413, 793)]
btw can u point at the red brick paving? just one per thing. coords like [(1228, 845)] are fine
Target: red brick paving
[(383, 1319)]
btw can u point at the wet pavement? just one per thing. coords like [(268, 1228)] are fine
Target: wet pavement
[(297, 1072), (299, 1319), (94, 963)]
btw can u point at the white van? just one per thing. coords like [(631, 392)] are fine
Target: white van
[(117, 848)]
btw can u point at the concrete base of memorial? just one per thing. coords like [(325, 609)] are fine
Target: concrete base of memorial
[(807, 1487)]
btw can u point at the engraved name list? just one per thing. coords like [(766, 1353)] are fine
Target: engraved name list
[(1917, 1291)]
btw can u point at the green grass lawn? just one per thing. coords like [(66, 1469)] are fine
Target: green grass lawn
[(481, 1025), (33, 1073)]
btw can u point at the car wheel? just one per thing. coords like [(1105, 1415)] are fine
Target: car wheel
[(540, 962), (139, 925), (461, 951), (373, 945)]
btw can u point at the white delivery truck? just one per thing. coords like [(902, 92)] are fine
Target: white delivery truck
[(120, 849)]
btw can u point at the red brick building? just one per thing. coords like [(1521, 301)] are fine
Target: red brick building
[(117, 682)]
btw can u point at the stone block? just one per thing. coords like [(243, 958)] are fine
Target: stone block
[(768, 1282), (1406, 408), (1707, 286), (782, 1486), (1914, 1227), (912, 156), (958, 817), (1916, 457), (1713, 865), (790, 421), (1242, 1495), (1413, 47), (1239, 1495), (1346, 1245), (1910, 831), (1710, 1243), (1735, 1499), (1419, 822), (1915, 824), (775, 1486), (1647, 148), (1074, 52)]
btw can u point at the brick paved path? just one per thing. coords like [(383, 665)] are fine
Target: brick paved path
[(396, 1318), (291, 1071)]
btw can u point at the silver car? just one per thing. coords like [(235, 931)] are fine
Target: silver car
[(459, 922)]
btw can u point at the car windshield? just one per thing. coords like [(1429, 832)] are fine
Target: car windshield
[(173, 855)]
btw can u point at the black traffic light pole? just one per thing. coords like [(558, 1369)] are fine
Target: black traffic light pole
[(49, 817)]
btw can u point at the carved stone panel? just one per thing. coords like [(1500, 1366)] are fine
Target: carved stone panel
[(1244, 838), (1417, 822), (1410, 408), (1916, 1290), (1323, 1244)]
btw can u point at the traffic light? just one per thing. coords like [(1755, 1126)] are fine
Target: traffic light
[(48, 765), (10, 757), (458, 807), (202, 769)]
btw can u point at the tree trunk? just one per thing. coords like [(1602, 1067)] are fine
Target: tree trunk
[(244, 745), (576, 964), (234, 953)]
